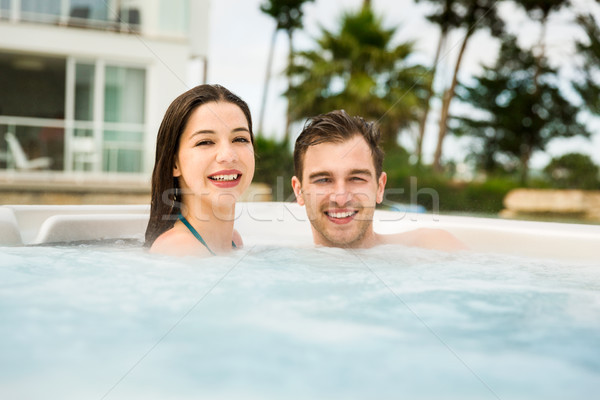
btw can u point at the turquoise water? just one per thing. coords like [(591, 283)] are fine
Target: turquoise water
[(87, 322)]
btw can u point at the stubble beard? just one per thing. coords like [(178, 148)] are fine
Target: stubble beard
[(333, 238)]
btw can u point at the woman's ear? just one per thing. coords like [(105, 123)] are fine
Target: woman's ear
[(176, 170)]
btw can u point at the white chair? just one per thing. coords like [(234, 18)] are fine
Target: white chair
[(20, 158), (84, 152)]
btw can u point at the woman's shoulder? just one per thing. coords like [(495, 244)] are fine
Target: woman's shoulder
[(237, 239), (178, 242)]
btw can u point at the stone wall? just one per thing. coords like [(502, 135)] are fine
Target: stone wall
[(581, 204), (51, 189)]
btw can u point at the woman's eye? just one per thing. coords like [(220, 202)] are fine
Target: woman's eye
[(241, 139), (204, 143)]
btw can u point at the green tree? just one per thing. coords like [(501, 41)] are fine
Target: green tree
[(357, 68), (588, 86), (540, 10), (445, 17), (288, 17), (573, 171), (515, 112), (471, 15), (274, 166)]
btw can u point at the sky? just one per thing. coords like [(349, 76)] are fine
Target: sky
[(240, 36)]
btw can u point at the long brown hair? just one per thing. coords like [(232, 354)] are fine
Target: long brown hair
[(165, 206)]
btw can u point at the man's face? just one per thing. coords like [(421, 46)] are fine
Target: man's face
[(340, 190)]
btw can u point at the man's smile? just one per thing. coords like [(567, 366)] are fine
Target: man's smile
[(341, 216)]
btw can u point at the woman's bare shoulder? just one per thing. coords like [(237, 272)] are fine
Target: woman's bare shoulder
[(178, 242), (237, 239)]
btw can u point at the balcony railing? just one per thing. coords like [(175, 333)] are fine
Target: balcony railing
[(73, 145), (95, 15)]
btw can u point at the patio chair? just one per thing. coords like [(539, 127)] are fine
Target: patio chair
[(84, 152), (20, 158)]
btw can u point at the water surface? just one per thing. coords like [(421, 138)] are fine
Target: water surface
[(285, 323)]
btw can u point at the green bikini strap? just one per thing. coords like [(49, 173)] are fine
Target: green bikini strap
[(195, 233)]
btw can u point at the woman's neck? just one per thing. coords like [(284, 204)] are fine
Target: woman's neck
[(214, 224)]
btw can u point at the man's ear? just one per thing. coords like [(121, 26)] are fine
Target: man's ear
[(297, 186), (381, 187), (176, 170)]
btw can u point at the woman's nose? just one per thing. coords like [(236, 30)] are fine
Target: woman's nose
[(226, 153)]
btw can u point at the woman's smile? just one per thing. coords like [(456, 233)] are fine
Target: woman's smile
[(226, 178)]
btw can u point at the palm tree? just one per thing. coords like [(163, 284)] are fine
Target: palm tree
[(445, 18), (288, 17), (472, 16), (358, 69)]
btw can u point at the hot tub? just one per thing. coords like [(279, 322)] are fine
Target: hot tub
[(287, 224), (87, 313)]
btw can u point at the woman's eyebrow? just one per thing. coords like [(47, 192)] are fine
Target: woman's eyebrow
[(202, 131)]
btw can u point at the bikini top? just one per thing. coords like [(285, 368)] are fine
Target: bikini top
[(197, 235)]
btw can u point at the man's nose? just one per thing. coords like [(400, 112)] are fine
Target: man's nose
[(226, 153), (341, 195)]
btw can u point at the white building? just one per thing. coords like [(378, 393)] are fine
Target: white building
[(85, 83)]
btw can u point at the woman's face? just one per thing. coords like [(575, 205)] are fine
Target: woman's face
[(215, 162)]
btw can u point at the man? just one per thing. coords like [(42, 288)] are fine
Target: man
[(339, 179)]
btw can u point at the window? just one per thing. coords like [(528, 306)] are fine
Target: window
[(35, 109), (108, 109), (173, 17), (41, 10), (124, 116), (4, 9), (84, 92), (96, 10)]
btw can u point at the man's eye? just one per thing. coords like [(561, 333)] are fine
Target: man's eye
[(322, 180), (357, 179)]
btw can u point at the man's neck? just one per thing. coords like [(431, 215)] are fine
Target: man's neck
[(368, 240)]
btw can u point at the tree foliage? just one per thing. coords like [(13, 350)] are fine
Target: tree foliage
[(274, 166), (588, 86), (470, 15), (573, 171), (357, 68), (286, 13), (288, 16), (520, 110)]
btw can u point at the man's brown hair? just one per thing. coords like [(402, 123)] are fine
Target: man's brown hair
[(337, 127)]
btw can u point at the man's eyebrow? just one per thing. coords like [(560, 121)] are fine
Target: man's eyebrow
[(319, 174), (361, 172)]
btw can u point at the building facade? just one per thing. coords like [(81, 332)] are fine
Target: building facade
[(84, 83)]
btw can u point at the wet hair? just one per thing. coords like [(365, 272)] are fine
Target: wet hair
[(337, 127), (165, 196)]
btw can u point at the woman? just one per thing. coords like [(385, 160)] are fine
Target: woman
[(204, 162)]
